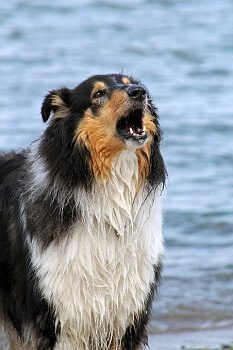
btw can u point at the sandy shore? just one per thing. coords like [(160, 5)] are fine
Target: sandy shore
[(174, 341), (195, 339)]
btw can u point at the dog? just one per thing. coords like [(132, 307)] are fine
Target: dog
[(81, 242)]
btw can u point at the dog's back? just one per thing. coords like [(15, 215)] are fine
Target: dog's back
[(11, 247), (10, 164)]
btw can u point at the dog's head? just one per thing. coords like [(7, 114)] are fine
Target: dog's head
[(105, 115)]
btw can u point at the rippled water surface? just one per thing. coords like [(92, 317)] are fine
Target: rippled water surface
[(183, 51)]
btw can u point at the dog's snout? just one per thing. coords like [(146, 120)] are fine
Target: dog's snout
[(137, 93)]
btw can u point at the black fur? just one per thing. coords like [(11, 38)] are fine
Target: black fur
[(68, 163), (21, 301)]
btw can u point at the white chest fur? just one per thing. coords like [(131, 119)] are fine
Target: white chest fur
[(98, 277)]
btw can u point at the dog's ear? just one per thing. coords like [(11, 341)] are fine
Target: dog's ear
[(57, 102)]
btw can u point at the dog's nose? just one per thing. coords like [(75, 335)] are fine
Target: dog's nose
[(137, 93)]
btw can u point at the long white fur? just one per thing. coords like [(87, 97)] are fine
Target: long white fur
[(98, 277)]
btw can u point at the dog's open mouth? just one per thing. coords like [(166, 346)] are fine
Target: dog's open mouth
[(131, 127)]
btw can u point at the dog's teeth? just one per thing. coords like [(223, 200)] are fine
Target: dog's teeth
[(131, 131), (141, 131)]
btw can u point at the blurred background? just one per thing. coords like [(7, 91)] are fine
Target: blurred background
[(183, 52)]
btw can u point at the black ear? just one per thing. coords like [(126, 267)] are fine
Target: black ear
[(57, 101)]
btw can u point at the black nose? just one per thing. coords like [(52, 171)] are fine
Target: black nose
[(137, 93)]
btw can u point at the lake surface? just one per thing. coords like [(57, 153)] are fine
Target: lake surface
[(183, 51)]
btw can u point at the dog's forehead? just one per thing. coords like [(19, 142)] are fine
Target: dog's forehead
[(120, 79), (81, 95), (101, 81)]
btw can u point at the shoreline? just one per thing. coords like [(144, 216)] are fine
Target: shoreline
[(189, 339)]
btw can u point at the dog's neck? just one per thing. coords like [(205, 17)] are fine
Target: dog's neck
[(116, 201), (123, 179), (121, 188)]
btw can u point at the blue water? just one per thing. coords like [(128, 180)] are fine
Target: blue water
[(183, 51)]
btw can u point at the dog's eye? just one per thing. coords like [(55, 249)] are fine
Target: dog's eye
[(99, 93)]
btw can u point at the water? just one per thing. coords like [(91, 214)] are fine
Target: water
[(183, 51)]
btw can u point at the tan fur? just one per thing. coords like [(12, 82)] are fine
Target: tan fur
[(117, 105), (103, 148), (99, 85), (149, 124), (143, 153), (57, 101), (98, 134), (61, 108), (126, 81)]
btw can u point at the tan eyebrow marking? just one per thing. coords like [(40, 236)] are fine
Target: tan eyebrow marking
[(126, 81), (99, 85)]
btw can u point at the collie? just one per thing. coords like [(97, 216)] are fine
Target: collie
[(80, 221)]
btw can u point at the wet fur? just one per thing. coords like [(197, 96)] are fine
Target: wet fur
[(80, 229)]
